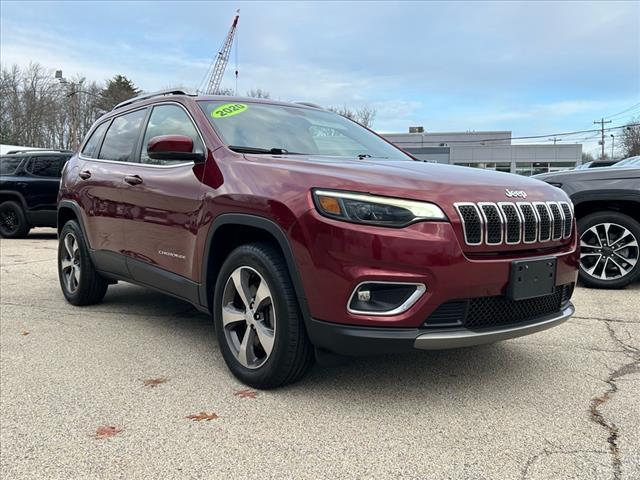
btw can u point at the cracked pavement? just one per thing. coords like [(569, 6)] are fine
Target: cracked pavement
[(564, 403)]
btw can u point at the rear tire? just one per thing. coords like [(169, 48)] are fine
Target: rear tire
[(609, 244), (261, 333), (13, 221), (80, 283)]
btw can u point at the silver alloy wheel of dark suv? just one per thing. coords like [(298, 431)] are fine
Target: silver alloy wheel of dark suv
[(609, 250)]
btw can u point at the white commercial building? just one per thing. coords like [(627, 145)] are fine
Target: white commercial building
[(491, 150)]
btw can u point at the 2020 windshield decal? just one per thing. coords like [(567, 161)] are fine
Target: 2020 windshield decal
[(228, 110)]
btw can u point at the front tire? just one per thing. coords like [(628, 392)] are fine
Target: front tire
[(13, 221), (80, 283), (609, 251), (257, 318)]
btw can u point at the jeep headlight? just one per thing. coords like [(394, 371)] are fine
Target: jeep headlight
[(374, 210)]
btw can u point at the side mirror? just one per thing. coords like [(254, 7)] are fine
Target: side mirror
[(173, 147)]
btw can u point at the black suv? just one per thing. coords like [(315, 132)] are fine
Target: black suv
[(607, 208), (29, 182)]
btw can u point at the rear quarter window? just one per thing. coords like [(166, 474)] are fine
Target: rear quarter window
[(90, 148), (8, 165)]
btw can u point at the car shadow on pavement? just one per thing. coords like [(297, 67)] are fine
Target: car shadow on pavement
[(429, 374), (43, 234)]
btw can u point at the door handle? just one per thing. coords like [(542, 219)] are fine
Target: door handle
[(23, 184), (133, 179), (85, 174)]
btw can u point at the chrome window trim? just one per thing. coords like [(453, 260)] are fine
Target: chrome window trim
[(561, 219), (506, 228), (406, 305), (486, 222), (546, 207), (536, 222), (464, 228), (148, 165)]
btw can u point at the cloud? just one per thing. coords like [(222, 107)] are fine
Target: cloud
[(447, 66)]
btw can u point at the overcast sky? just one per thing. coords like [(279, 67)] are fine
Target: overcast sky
[(530, 67)]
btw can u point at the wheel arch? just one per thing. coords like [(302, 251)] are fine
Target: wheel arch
[(229, 231), (9, 195), (69, 210), (629, 205)]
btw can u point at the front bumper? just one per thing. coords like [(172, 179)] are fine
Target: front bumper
[(335, 257), (354, 341)]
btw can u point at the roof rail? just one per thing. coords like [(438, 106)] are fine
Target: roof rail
[(309, 104), (37, 150), (145, 96)]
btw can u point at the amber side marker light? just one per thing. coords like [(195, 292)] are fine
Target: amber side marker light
[(329, 204)]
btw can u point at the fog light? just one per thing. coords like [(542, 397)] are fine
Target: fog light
[(384, 298), (364, 295)]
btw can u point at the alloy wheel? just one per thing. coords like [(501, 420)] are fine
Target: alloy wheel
[(248, 317), (70, 263), (8, 221), (608, 251)]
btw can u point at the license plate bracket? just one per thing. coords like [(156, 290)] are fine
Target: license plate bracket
[(532, 278)]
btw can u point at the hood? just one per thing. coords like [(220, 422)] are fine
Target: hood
[(411, 179), (603, 173)]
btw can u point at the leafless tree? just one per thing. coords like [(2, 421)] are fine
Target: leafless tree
[(364, 115), (230, 92), (630, 138), (37, 110), (258, 93)]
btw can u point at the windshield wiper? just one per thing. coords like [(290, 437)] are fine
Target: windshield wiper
[(362, 156), (266, 151)]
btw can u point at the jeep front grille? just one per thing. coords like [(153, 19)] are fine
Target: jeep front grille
[(487, 223)]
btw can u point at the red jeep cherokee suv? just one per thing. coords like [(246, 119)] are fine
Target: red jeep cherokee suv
[(300, 230)]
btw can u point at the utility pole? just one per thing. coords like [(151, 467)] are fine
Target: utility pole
[(555, 139), (601, 122)]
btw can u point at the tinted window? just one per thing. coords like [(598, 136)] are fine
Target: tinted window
[(91, 147), (8, 165), (45, 166), (168, 120), (122, 136)]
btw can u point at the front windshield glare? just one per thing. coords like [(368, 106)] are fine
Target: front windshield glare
[(267, 128)]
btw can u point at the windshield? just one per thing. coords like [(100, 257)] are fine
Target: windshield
[(277, 129), (629, 162)]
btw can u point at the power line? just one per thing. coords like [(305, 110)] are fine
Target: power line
[(632, 107)]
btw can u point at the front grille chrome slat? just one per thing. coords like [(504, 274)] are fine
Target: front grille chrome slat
[(493, 223), (568, 219), (545, 225), (471, 222), (558, 220), (512, 223)]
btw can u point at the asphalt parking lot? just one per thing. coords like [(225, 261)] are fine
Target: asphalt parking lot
[(564, 403)]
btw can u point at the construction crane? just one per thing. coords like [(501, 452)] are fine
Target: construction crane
[(220, 65)]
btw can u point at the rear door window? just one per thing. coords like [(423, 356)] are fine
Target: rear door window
[(8, 165), (91, 147), (122, 137), (45, 166)]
